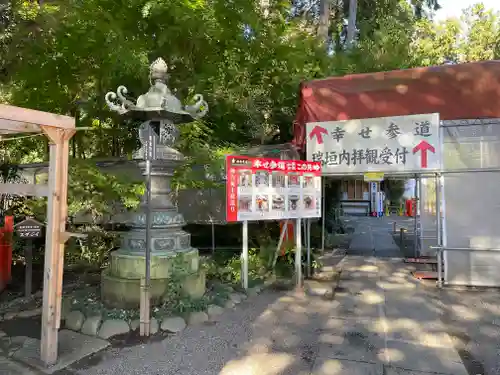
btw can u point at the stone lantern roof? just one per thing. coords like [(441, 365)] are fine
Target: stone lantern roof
[(158, 102)]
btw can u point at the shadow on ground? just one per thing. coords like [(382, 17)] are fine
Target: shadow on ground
[(380, 322)]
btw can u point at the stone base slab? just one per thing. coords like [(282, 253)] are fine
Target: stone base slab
[(125, 265), (125, 293), (73, 346)]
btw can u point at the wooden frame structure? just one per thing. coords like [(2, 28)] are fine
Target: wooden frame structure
[(59, 130)]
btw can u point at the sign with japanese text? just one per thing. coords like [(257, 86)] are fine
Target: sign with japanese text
[(385, 144), (29, 229), (272, 189)]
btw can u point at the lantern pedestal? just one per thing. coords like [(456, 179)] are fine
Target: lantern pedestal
[(120, 283), (171, 249)]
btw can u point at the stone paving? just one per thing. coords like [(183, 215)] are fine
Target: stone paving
[(380, 322), (473, 321)]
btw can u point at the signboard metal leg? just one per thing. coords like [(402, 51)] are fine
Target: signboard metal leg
[(244, 256), (298, 255), (323, 215), (308, 234)]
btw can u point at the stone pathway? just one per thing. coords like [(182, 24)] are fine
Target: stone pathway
[(390, 322), (473, 321), (380, 322)]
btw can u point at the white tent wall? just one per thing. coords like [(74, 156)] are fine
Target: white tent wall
[(471, 196), (428, 218)]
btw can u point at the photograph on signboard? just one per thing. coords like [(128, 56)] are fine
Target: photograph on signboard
[(293, 180), (261, 179), (293, 202), (308, 182), (278, 180), (308, 202), (262, 203), (245, 203), (278, 203), (245, 178)]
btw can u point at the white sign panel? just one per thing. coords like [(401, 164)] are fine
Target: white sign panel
[(271, 189), (385, 144)]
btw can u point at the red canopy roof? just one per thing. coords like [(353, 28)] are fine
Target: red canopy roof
[(462, 91)]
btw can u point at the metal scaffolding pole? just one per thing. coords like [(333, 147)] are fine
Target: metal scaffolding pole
[(419, 210), (323, 215), (439, 258), (415, 221)]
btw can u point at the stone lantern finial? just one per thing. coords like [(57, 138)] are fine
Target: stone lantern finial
[(158, 70)]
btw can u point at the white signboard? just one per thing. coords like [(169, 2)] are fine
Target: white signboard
[(385, 144), (271, 189)]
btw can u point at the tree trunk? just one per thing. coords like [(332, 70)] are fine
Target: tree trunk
[(337, 16), (351, 26), (324, 21)]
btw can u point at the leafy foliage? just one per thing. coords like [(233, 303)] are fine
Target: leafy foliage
[(63, 56), (395, 190), (93, 192), (247, 59), (474, 37)]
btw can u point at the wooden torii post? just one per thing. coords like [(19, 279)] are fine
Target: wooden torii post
[(59, 130)]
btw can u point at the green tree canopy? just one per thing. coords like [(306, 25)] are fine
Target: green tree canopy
[(247, 60)]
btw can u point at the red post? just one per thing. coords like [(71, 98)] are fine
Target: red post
[(6, 251), (289, 236), (409, 207), (8, 233)]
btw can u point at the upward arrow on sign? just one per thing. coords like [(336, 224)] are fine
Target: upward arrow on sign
[(423, 147), (318, 132)]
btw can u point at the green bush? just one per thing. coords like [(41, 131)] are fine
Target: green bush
[(93, 250), (229, 270), (261, 263)]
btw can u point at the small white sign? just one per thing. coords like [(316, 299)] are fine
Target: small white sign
[(385, 144)]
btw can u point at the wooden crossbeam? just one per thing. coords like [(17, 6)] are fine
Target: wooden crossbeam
[(32, 190), (20, 120)]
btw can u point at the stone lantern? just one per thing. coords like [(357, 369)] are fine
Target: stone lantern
[(161, 112)]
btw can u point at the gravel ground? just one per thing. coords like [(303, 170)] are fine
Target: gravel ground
[(281, 333), (274, 329)]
